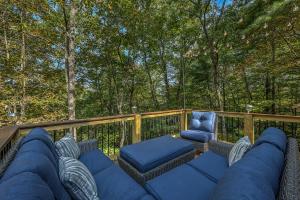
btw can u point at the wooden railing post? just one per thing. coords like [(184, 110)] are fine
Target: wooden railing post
[(249, 127), (183, 120), (136, 135)]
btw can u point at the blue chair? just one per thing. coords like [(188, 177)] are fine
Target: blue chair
[(202, 129)]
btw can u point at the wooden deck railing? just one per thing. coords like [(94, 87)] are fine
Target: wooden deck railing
[(113, 132)]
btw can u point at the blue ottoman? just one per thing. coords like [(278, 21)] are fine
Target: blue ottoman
[(148, 159)]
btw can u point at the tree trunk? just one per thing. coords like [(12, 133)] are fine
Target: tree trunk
[(7, 55), (165, 71), (70, 25), (247, 84), (23, 66), (180, 83), (152, 88), (273, 92)]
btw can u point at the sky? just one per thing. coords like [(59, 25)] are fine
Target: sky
[(220, 2)]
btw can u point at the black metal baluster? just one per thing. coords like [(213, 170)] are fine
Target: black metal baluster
[(108, 139), (102, 137)]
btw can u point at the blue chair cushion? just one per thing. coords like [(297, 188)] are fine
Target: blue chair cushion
[(149, 154), (211, 165), (43, 136), (114, 184), (273, 136), (40, 147), (267, 161), (41, 165), (95, 161), (183, 182), (25, 186), (203, 121), (200, 136)]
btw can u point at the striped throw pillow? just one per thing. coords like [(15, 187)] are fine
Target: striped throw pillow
[(238, 150), (67, 147), (77, 179)]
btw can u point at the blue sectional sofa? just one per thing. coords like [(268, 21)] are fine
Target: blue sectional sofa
[(33, 174), (269, 170), (257, 175)]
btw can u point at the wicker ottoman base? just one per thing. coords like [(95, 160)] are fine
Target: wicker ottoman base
[(142, 178)]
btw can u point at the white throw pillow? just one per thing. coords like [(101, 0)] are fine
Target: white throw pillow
[(77, 179), (238, 150), (67, 147)]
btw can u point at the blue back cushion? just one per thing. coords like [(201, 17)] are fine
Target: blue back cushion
[(203, 121), (40, 147), (25, 186), (266, 160), (238, 183), (257, 175), (39, 164), (273, 136), (43, 136)]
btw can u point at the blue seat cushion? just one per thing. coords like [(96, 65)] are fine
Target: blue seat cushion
[(200, 136), (40, 147), (266, 160), (95, 161), (183, 182), (43, 136), (273, 136), (114, 184), (149, 154), (25, 186), (211, 165), (38, 164)]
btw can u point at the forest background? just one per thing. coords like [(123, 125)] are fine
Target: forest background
[(77, 58)]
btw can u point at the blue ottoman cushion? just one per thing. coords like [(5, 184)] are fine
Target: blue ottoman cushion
[(149, 154), (114, 184), (273, 136), (197, 135), (183, 182), (95, 161), (25, 186), (211, 165)]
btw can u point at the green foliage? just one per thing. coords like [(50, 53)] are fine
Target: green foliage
[(150, 54)]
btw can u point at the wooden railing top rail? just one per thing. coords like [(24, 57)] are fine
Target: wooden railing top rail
[(78, 122), (270, 117), (96, 120), (257, 116), (160, 113), (6, 135)]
